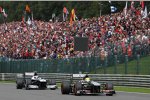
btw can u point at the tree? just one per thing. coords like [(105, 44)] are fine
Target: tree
[(43, 10)]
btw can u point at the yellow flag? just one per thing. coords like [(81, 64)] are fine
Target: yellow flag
[(73, 14)]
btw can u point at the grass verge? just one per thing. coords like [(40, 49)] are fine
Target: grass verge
[(143, 68), (7, 81), (132, 89)]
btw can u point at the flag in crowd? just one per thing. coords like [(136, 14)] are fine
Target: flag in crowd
[(27, 13), (53, 17), (1, 9), (4, 14), (142, 4), (126, 7), (29, 21), (72, 17), (28, 9), (73, 14), (132, 5), (145, 12), (65, 14), (113, 9), (71, 21)]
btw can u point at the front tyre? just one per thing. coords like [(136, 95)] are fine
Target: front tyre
[(77, 88)]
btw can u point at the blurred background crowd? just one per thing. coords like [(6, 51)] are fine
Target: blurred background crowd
[(116, 33)]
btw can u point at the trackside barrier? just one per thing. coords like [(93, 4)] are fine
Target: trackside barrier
[(116, 79), (7, 76)]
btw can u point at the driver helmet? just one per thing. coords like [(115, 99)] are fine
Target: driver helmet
[(87, 78), (35, 73)]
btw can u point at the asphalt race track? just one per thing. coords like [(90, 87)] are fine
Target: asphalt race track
[(9, 92)]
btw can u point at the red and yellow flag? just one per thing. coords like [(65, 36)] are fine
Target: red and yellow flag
[(142, 4), (73, 14), (72, 17), (71, 21)]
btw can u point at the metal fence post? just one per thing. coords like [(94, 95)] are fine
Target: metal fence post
[(138, 66), (95, 64), (71, 64), (105, 65), (87, 67), (126, 64), (115, 67)]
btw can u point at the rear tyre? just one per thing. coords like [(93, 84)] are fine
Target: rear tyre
[(109, 86), (19, 84), (65, 87), (27, 87)]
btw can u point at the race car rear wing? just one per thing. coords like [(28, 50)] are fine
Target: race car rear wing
[(29, 73), (19, 75), (25, 75), (78, 75), (75, 77)]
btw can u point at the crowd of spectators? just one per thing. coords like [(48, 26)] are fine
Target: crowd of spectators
[(108, 35)]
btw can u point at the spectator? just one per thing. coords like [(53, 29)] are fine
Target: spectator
[(43, 40)]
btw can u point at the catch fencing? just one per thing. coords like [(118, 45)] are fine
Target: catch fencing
[(114, 64)]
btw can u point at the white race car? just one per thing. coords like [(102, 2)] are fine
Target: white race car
[(25, 81)]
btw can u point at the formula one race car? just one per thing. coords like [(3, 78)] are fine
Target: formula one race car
[(86, 86), (26, 81)]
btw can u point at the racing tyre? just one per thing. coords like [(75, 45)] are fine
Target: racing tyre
[(109, 86), (19, 84), (27, 87), (78, 86), (28, 82), (65, 87)]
